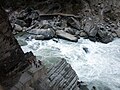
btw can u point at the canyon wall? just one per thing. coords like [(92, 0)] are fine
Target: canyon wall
[(11, 55)]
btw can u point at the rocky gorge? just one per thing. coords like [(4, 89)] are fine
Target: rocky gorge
[(96, 20)]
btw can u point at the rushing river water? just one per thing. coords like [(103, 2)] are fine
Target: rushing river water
[(95, 63)]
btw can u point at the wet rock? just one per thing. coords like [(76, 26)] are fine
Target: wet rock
[(104, 35), (46, 26), (39, 37), (55, 40), (70, 30), (64, 35), (118, 32), (102, 32), (93, 88), (20, 22), (92, 38), (93, 32), (90, 28), (47, 33), (83, 34), (77, 33), (85, 49), (74, 23), (28, 13), (17, 28), (107, 39), (114, 35), (88, 24), (82, 86)]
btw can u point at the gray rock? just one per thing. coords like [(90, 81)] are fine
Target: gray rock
[(114, 34), (46, 26), (17, 28), (85, 49), (104, 35), (93, 31), (118, 32), (88, 26), (39, 37), (47, 33), (102, 32), (64, 35), (20, 22), (74, 23), (83, 34), (69, 30), (107, 39)]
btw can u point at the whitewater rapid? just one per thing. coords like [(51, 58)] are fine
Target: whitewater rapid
[(100, 66)]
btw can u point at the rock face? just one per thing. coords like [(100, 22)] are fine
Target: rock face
[(11, 55)]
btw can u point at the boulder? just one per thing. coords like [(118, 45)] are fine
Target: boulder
[(118, 32), (114, 35), (85, 49), (18, 28), (74, 23), (102, 32), (46, 26), (93, 32), (90, 28), (64, 35), (83, 34), (87, 26), (107, 39), (47, 33), (20, 22), (70, 30), (39, 37), (104, 35)]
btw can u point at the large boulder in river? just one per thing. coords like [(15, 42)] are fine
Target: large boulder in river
[(64, 35), (47, 33), (107, 39), (90, 28), (104, 36)]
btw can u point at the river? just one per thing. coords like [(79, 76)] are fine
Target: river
[(95, 63)]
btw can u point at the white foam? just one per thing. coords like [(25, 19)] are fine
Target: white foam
[(101, 63)]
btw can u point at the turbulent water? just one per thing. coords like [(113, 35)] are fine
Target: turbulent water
[(95, 63)]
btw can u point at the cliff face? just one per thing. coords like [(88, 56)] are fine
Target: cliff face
[(11, 55)]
